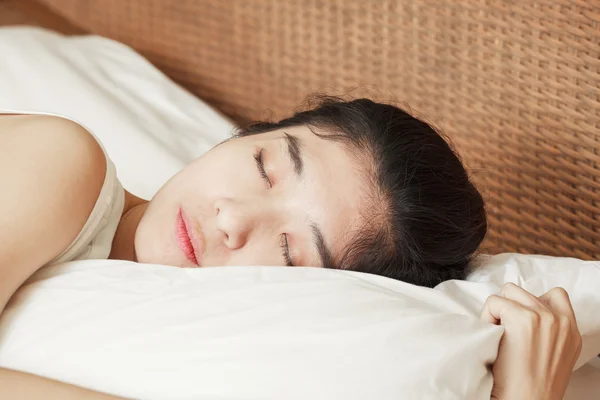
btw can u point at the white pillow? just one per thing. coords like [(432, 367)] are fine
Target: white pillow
[(150, 127), (156, 332)]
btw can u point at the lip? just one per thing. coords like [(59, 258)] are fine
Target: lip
[(187, 238)]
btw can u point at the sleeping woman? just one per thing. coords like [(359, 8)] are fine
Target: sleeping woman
[(354, 185)]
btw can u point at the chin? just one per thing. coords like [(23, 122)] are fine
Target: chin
[(162, 258), (158, 249)]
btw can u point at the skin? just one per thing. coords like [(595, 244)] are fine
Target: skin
[(241, 219), (540, 345)]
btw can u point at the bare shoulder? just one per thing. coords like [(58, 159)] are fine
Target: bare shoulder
[(51, 135), (51, 171), (50, 157)]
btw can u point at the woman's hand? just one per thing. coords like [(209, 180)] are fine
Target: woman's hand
[(540, 345)]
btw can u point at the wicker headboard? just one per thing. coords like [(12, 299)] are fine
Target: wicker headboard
[(515, 85)]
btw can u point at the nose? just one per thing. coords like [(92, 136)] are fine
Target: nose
[(239, 219)]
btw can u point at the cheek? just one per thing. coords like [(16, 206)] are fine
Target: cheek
[(218, 174), (199, 179), (264, 253)]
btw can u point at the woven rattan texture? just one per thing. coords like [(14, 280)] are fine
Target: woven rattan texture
[(28, 12), (515, 85)]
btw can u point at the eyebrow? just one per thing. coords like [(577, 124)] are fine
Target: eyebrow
[(324, 252), (294, 151)]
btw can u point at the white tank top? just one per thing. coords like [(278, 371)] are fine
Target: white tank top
[(94, 241)]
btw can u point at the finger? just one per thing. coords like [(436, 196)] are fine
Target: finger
[(486, 314), (521, 296), (497, 310), (558, 301)]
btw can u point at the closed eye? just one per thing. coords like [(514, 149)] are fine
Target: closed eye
[(285, 250), (258, 157)]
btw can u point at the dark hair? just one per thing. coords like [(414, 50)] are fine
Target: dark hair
[(432, 218)]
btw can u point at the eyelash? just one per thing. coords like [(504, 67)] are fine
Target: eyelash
[(261, 167), (285, 250)]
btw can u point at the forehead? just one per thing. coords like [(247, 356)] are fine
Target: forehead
[(335, 184)]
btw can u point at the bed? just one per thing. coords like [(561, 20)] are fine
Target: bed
[(514, 86)]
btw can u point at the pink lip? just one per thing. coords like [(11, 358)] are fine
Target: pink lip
[(187, 238)]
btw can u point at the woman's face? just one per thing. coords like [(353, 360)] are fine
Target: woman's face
[(286, 197)]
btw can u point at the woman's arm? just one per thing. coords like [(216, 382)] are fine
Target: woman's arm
[(51, 173), (19, 385), (540, 345)]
